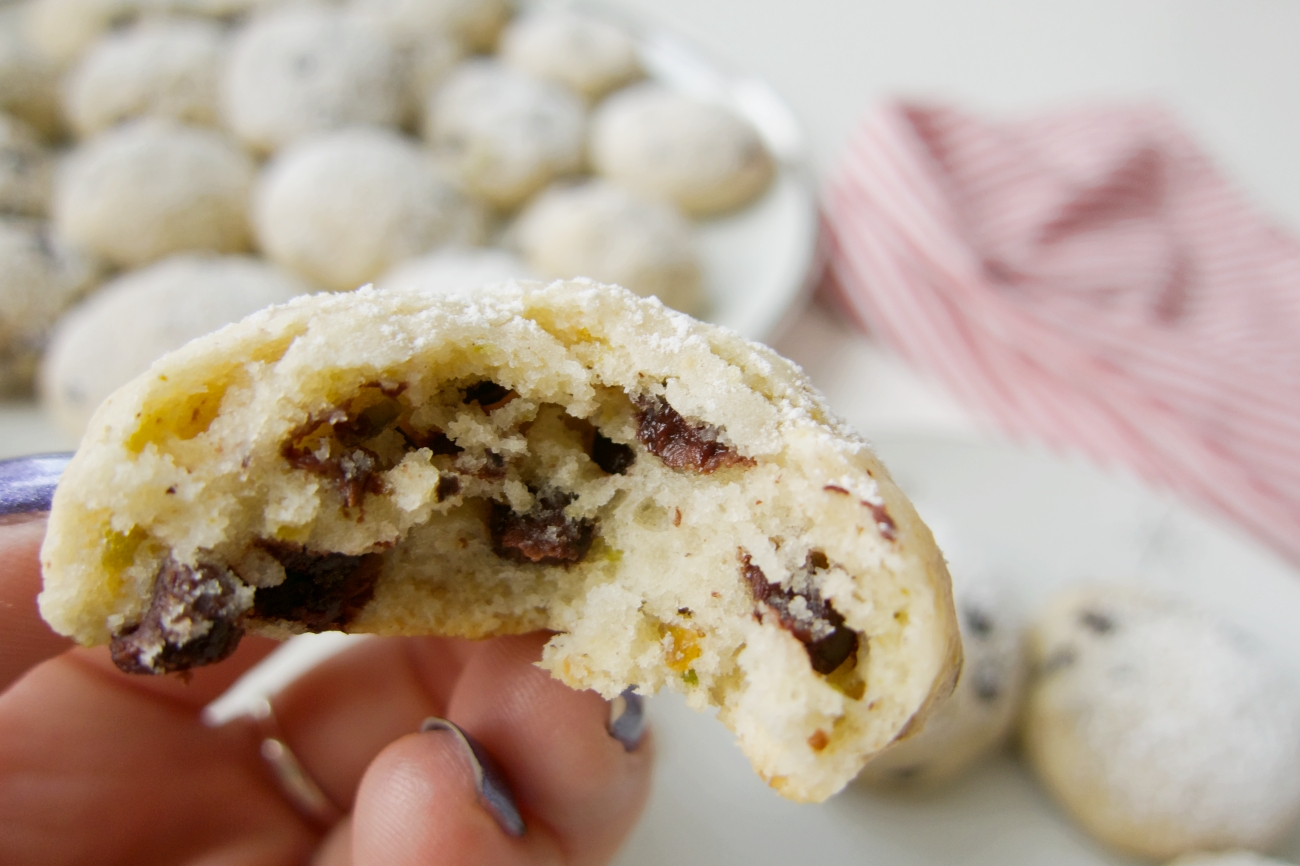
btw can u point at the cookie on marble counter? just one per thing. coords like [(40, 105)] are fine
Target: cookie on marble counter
[(40, 277), (598, 230), (150, 188), (673, 501), (505, 134), (1161, 729), (303, 70), (454, 269), (702, 157), (587, 54), (136, 318), (26, 169), (158, 68), (341, 208), (979, 715)]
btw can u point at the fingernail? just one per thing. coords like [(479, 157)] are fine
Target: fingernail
[(627, 719), (489, 781), (27, 483)]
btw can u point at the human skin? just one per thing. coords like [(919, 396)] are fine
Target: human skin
[(104, 767)]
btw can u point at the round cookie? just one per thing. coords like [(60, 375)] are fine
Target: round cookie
[(158, 68), (505, 134), (587, 54), (670, 499), (978, 716), (1160, 729), (140, 316), (473, 23), (453, 269), (305, 70), (61, 30), (40, 276), (603, 232), (668, 145), (29, 82), (26, 169), (1227, 858), (150, 188), (342, 208)]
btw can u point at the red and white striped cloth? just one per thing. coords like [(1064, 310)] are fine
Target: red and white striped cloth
[(1088, 279)]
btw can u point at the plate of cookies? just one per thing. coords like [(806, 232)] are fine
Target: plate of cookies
[(157, 153), (1131, 694)]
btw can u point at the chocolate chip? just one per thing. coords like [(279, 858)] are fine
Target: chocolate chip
[(612, 457), (434, 439), (448, 485), (195, 618), (1096, 622), (489, 395), (323, 591), (679, 443), (820, 627), (543, 536)]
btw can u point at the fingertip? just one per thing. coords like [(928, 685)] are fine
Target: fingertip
[(418, 803)]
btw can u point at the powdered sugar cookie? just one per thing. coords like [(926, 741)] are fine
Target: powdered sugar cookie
[(668, 145), (138, 317), (587, 54), (26, 169), (979, 714), (673, 501), (150, 188), (474, 23), (29, 82), (40, 276), (601, 231), (506, 134), (454, 269), (158, 68), (342, 208), (1159, 728), (305, 70)]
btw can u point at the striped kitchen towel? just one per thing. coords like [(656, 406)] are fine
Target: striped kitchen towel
[(1087, 279)]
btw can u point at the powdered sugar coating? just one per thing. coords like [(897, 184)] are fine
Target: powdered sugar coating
[(601, 231), (505, 134), (702, 157), (215, 453), (587, 54), (342, 208), (1161, 729), (158, 68), (150, 188), (304, 70)]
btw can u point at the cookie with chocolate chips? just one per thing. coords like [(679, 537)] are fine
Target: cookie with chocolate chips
[(674, 502)]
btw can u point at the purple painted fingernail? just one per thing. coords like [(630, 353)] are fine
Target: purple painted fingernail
[(627, 719), (27, 483), (489, 781)]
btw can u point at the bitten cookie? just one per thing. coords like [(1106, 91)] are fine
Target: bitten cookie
[(158, 68), (979, 714), (1159, 728), (342, 208), (668, 145), (304, 70), (138, 317), (40, 277), (673, 501), (505, 134), (587, 54), (150, 188), (604, 232)]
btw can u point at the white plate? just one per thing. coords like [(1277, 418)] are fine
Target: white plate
[(1041, 522)]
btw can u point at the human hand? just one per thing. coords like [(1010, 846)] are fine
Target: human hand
[(97, 766)]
